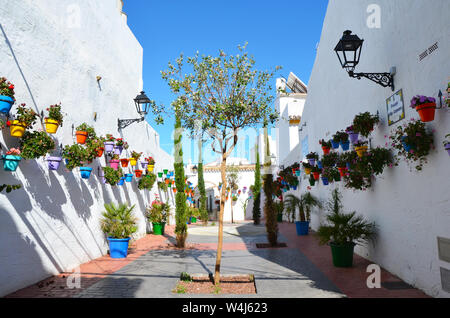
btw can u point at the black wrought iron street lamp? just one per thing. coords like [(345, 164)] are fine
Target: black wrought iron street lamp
[(142, 103), (348, 51), (194, 169)]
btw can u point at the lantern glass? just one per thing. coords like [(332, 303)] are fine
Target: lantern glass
[(348, 50), (142, 103)]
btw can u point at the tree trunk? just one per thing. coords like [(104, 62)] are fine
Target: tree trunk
[(222, 208)]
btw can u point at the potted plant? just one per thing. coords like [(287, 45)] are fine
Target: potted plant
[(124, 162), (11, 159), (413, 142), (344, 231), (118, 223), (361, 148), (128, 177), (312, 157), (138, 173), (352, 134), (294, 119), (74, 155), (25, 118), (94, 148), (330, 159), (364, 123), (85, 172), (148, 163), (147, 181), (83, 131), (120, 145), (6, 95), (343, 140), (307, 167), (425, 106), (304, 204), (36, 144), (109, 143), (111, 175), (326, 146), (54, 118), (335, 141), (135, 157), (53, 162), (327, 175), (447, 143), (341, 164), (114, 162), (316, 172), (157, 214)]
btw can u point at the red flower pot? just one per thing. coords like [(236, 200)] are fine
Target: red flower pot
[(342, 171), (326, 150), (426, 111), (124, 162), (81, 136), (138, 173), (316, 175), (100, 152)]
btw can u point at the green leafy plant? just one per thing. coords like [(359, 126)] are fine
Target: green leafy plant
[(330, 159), (304, 204), (10, 187), (158, 212), (340, 136), (93, 145), (36, 144), (136, 155), (110, 137), (111, 175), (162, 186), (415, 135), (26, 115), (76, 155), (147, 181), (89, 129), (312, 155), (342, 229), (363, 123), (118, 221), (54, 113), (6, 88), (326, 144)]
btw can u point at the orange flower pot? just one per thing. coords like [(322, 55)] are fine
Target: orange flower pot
[(316, 175), (124, 162), (81, 137), (174, 190), (307, 171), (426, 111), (138, 173), (100, 152)]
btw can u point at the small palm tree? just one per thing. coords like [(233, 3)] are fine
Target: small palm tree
[(118, 221), (304, 204)]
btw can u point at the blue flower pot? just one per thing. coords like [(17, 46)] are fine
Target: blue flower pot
[(319, 164), (118, 248), (11, 162), (348, 166), (325, 180), (6, 103), (302, 227), (345, 145), (121, 181), (406, 146), (85, 172), (128, 177), (334, 144), (294, 188), (297, 173)]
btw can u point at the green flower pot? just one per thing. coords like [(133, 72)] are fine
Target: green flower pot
[(193, 220), (280, 218), (158, 228), (342, 254)]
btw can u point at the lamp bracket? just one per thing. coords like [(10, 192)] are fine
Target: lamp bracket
[(122, 123), (383, 79)]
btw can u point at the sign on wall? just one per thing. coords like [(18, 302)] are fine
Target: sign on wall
[(395, 108)]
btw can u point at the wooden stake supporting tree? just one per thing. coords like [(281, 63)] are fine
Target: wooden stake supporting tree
[(223, 94)]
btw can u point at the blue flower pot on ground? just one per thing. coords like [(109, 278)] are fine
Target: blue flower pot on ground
[(334, 144), (85, 172), (128, 177), (319, 164), (6, 103), (118, 248), (11, 162), (345, 145), (325, 180), (302, 227), (121, 181)]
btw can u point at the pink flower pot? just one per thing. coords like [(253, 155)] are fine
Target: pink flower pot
[(114, 164)]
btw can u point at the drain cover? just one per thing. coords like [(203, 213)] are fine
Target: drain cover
[(396, 285)]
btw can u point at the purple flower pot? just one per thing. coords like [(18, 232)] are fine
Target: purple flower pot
[(353, 137), (53, 162), (144, 165), (109, 146), (312, 162), (118, 150), (447, 147)]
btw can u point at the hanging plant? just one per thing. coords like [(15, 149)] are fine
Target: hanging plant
[(75, 156), (36, 144), (94, 148), (413, 143), (84, 132), (330, 159), (25, 118), (6, 95), (109, 143), (147, 181), (54, 118), (326, 146), (361, 147), (379, 158), (312, 157), (111, 175), (11, 159), (425, 106), (364, 123), (353, 135)]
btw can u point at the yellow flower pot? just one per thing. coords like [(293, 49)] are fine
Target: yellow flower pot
[(361, 150), (133, 161), (150, 168), (307, 171), (51, 125), (17, 128)]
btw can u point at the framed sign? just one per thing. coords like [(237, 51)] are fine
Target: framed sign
[(395, 108)]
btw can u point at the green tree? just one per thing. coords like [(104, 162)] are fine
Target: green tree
[(201, 183), (257, 190), (233, 183), (180, 197), (225, 94)]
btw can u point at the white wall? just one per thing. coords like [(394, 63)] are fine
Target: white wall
[(52, 223), (410, 208)]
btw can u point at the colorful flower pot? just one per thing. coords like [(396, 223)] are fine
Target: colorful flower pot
[(447, 147), (174, 190), (426, 111), (158, 228), (118, 150), (312, 162), (150, 168), (193, 219), (361, 150), (353, 137), (144, 165), (297, 173), (51, 125), (326, 150), (100, 152), (316, 175), (342, 254), (85, 172), (319, 164), (342, 171), (109, 146), (11, 162), (307, 171), (133, 161), (114, 163), (325, 181), (334, 144), (6, 103), (160, 174), (138, 173), (121, 181), (53, 162), (17, 128), (118, 248), (406, 146), (294, 187), (81, 137), (128, 177), (345, 145), (302, 227), (124, 162), (348, 166)]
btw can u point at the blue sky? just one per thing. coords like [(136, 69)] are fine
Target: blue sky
[(278, 33)]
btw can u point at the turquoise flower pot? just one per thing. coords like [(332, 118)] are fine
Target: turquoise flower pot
[(6, 103), (11, 162), (85, 172)]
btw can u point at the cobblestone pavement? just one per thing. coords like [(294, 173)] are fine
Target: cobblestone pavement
[(302, 269)]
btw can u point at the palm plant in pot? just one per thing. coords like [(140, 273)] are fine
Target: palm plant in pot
[(343, 231), (157, 214), (304, 204), (119, 224)]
